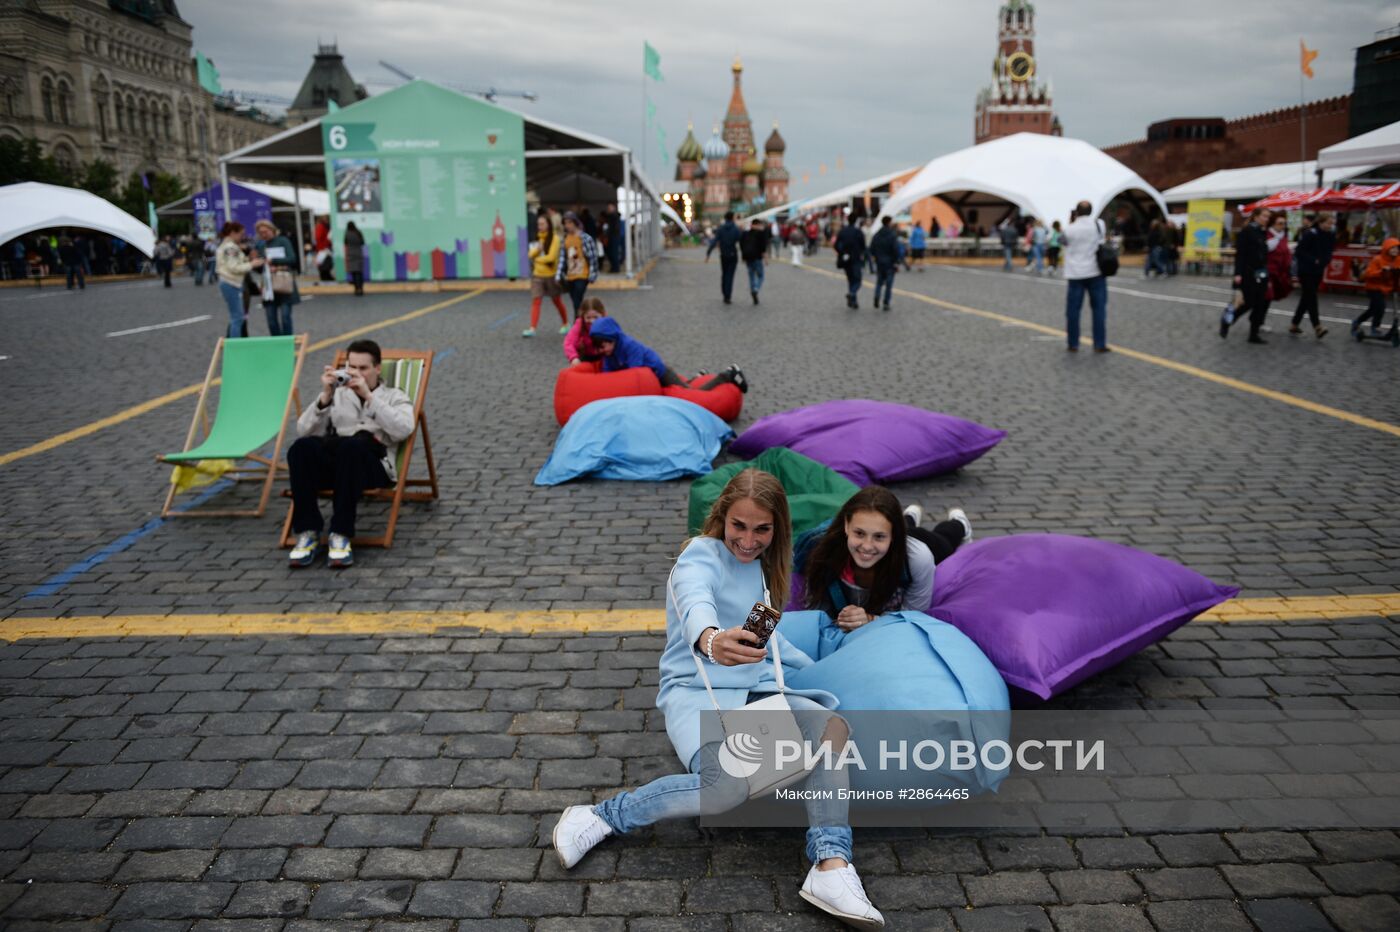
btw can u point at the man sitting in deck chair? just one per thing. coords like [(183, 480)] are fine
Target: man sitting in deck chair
[(347, 440)]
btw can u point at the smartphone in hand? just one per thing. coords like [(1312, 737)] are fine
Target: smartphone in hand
[(763, 618)]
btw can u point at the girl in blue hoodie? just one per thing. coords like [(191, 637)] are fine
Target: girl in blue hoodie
[(619, 351)]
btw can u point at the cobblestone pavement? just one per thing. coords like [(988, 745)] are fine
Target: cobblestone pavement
[(357, 782)]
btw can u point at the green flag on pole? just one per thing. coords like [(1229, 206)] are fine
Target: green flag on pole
[(208, 74), (651, 111), (651, 62)]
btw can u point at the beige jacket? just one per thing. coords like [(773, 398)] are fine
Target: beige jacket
[(231, 264), (388, 415)]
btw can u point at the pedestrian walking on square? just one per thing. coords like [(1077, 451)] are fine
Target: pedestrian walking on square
[(232, 267), (884, 252), (354, 245), (753, 247), (578, 260), (1314, 252), (850, 258), (918, 245), (1082, 237), (1380, 279), (726, 240), (1156, 251), (1007, 233), (544, 254), (1053, 244), (797, 243), (73, 263), (1036, 238), (165, 259), (740, 560), (1251, 276), (280, 293)]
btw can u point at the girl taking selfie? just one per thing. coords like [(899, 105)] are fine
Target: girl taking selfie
[(743, 554)]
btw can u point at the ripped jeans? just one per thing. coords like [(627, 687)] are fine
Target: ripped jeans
[(708, 790)]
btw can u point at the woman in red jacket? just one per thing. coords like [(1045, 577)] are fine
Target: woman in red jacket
[(1280, 261)]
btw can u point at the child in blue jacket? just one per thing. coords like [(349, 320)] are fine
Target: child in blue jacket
[(619, 351)]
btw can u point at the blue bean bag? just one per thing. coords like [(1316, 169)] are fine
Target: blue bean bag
[(649, 437), (909, 662)]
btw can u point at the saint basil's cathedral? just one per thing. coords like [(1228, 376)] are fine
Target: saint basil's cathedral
[(725, 173)]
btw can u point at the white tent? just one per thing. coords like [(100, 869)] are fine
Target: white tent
[(1378, 147), (841, 195), (1042, 176), (1250, 184), (31, 206)]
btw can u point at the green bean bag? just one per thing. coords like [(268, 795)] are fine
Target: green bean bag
[(814, 492)]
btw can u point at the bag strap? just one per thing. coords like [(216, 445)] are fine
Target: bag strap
[(700, 665)]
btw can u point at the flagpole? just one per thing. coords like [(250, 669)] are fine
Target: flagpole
[(1302, 120)]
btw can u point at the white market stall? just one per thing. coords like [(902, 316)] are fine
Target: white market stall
[(1378, 147), (1243, 185), (1037, 175), (31, 206)]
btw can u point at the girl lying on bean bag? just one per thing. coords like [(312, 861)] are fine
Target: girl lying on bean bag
[(578, 343), (872, 559), (619, 351)]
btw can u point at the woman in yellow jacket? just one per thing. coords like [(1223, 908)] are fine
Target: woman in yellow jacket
[(545, 253)]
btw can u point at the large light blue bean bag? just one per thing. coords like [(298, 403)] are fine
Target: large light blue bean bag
[(905, 661), (649, 437)]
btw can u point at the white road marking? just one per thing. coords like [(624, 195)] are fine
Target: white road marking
[(173, 323)]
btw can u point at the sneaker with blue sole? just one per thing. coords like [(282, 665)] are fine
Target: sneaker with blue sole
[(304, 551), (339, 553)]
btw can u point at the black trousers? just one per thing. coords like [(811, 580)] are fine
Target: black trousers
[(358, 280), (672, 377), (1307, 300), (945, 538), (1375, 310), (1255, 300), (348, 465), (728, 265)]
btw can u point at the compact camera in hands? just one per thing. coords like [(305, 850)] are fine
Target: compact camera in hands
[(343, 376)]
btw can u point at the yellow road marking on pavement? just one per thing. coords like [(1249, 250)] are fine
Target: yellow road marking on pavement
[(78, 433), (1205, 374), (649, 621)]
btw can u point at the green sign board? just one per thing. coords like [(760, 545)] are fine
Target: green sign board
[(433, 180)]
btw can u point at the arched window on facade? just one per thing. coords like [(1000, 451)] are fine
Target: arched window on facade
[(46, 91), (145, 118), (65, 103), (165, 121), (99, 106), (64, 158)]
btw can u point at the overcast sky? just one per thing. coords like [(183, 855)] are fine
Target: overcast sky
[(882, 85)]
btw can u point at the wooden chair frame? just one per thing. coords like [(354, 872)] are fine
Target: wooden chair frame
[(399, 493), (266, 472)]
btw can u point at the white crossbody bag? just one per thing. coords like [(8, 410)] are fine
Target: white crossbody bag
[(750, 738)]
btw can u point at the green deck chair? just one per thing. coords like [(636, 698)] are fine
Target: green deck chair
[(407, 370), (257, 394)]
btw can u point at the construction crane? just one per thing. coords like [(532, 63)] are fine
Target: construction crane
[(489, 93)]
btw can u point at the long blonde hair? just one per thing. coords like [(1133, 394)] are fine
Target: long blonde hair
[(766, 492)]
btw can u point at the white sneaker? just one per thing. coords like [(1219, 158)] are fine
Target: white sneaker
[(339, 553), (839, 893), (960, 516), (576, 833), (913, 515), (304, 550)]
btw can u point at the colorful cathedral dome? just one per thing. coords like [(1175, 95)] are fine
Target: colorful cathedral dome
[(751, 165), (715, 146), (775, 142), (690, 150)]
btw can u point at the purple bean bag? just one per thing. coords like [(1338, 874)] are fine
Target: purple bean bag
[(871, 441), (1051, 610)]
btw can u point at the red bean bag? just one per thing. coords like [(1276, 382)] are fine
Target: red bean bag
[(724, 401), (577, 385)]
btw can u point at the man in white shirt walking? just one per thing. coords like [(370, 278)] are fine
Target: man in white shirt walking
[(1082, 239)]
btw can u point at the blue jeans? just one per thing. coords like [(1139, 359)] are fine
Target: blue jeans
[(1156, 259), (728, 265), (755, 276), (279, 318), (1007, 252), (1037, 257), (884, 278), (233, 297), (708, 790), (1097, 287), (852, 278)]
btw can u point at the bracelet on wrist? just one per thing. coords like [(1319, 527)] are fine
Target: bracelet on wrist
[(710, 646)]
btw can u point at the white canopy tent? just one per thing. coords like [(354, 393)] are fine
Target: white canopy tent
[(1041, 176), (1378, 147), (31, 206), (841, 195), (1250, 184)]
